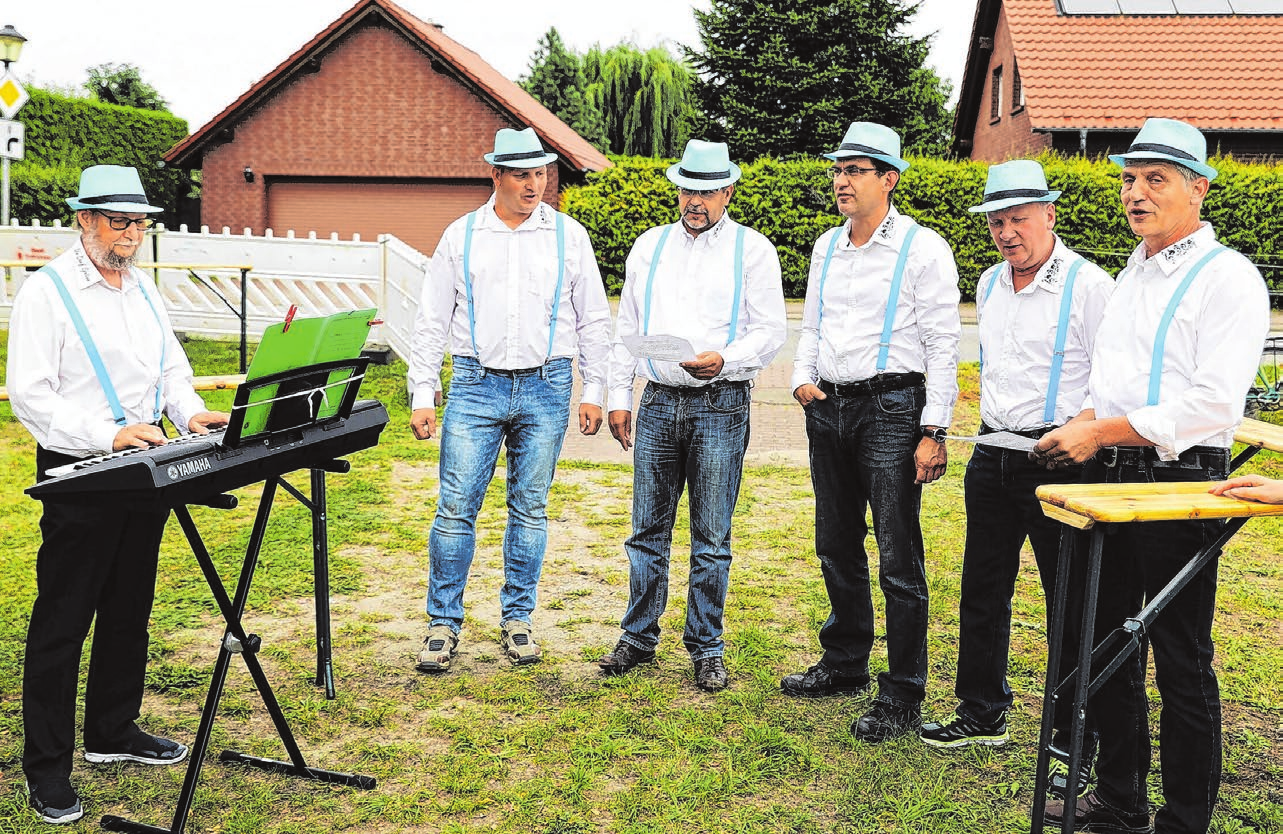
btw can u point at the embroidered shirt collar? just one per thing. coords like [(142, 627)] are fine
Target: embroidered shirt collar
[(87, 274), (1175, 256), (711, 235), (543, 217), (890, 231)]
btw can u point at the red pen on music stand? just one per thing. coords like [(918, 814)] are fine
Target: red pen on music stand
[(289, 317)]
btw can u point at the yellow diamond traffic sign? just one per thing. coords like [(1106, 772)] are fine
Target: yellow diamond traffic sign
[(12, 96)]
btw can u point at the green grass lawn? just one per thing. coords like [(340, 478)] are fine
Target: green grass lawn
[(555, 747)]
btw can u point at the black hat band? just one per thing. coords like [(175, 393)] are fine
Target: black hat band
[(510, 157), (704, 175), (851, 146), (1015, 192), (114, 198), (1167, 149)]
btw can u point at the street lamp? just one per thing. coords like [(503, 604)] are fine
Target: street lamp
[(10, 48), (10, 45)]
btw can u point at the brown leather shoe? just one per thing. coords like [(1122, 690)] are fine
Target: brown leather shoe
[(1094, 815), (624, 658)]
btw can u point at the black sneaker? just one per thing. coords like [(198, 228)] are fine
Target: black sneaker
[(887, 719), (55, 801), (1059, 772), (710, 673), (820, 681), (962, 731), (624, 658), (141, 748)]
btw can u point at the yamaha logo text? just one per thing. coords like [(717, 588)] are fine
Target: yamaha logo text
[(188, 468)]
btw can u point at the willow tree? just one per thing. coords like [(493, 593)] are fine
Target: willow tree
[(557, 80), (645, 97)]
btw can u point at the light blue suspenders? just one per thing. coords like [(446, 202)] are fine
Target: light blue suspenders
[(1062, 333), (733, 327), (893, 301), (1160, 338), (95, 359), (556, 299)]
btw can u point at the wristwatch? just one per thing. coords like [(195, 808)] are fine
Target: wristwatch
[(938, 435)]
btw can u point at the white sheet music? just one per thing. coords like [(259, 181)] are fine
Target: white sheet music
[(1000, 439), (663, 348)]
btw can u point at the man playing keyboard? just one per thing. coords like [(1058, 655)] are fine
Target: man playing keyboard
[(93, 364)]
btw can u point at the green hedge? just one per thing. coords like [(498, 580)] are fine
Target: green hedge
[(65, 135), (791, 203)]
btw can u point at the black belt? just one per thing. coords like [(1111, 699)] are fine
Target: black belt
[(691, 389), (513, 372), (1033, 434), (1138, 457), (872, 385)]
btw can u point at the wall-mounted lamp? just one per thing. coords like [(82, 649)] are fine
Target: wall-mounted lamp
[(249, 174)]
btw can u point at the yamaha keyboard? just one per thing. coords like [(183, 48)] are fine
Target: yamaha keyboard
[(194, 468)]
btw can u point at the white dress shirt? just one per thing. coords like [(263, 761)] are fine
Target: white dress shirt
[(52, 385), (1212, 352), (1018, 340), (926, 329), (514, 279), (692, 297)]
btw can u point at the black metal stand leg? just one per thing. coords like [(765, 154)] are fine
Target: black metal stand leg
[(1082, 678), (1055, 642), (321, 570)]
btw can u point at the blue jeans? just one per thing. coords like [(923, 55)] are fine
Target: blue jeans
[(527, 412), (1002, 511), (693, 437), (1137, 561), (861, 452)]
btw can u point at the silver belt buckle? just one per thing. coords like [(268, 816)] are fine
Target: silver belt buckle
[(1109, 456)]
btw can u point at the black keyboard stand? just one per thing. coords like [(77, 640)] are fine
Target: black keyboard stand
[(236, 641)]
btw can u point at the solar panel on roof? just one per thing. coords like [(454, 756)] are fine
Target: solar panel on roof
[(1169, 7), (1088, 6), (1147, 6)]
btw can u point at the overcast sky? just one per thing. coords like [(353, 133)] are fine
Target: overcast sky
[(202, 56)]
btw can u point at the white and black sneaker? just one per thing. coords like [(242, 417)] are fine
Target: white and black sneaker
[(141, 748), (963, 731), (55, 801)]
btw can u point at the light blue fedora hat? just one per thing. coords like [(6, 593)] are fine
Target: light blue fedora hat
[(112, 188), (518, 149), (1015, 183), (872, 140), (1168, 140), (705, 166)]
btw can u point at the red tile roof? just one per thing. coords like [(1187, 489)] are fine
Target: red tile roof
[(1221, 72), (557, 136)]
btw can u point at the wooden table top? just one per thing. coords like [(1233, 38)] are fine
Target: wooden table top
[(1083, 505)]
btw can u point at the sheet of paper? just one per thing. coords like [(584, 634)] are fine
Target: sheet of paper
[(663, 348), (1001, 439)]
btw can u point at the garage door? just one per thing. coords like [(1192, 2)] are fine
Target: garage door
[(416, 212)]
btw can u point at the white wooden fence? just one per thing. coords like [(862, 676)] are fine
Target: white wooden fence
[(320, 275)]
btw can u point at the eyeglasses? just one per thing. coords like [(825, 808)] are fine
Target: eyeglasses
[(120, 223), (849, 171), (691, 192)]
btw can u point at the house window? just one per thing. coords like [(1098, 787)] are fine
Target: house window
[(995, 96), (1017, 90)]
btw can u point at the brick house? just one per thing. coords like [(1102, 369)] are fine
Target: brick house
[(377, 125), (1081, 76)]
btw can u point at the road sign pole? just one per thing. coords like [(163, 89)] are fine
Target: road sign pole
[(4, 196)]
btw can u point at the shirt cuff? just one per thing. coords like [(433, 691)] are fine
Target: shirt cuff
[(1150, 423), (621, 399), (104, 437), (936, 415), (593, 394), (801, 378), (424, 397)]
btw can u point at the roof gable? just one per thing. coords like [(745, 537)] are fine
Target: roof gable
[(465, 66), (1111, 72)]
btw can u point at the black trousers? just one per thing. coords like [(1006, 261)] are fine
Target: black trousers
[(95, 563)]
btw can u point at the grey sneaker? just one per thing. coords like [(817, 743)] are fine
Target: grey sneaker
[(142, 749), (439, 648)]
